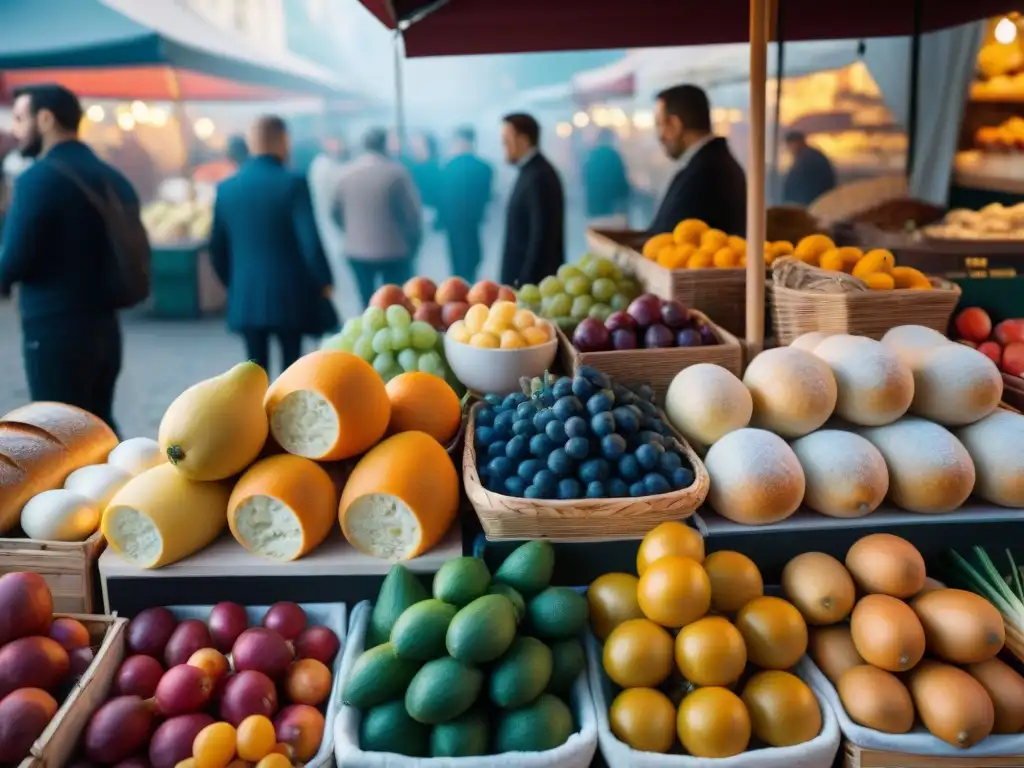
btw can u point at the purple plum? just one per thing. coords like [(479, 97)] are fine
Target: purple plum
[(617, 320), (591, 336), (645, 309), (658, 336), (623, 338), (707, 335), (674, 315), (688, 338)]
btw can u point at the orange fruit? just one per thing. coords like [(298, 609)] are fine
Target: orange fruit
[(644, 719), (774, 631), (255, 738), (689, 231), (307, 681), (274, 760), (328, 405), (638, 654), (783, 710), (612, 600), (711, 651), (214, 746), (426, 403), (735, 580), (671, 538), (674, 591), (713, 722), (713, 239)]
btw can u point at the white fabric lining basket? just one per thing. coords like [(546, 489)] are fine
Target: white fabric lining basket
[(577, 752), (918, 742), (820, 752), (331, 615)]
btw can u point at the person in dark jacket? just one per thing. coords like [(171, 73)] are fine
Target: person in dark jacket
[(464, 193), (535, 221), (266, 250), (709, 184), (811, 175), (56, 247), (605, 182)]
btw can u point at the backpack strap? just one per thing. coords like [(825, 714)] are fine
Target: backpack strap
[(65, 170)]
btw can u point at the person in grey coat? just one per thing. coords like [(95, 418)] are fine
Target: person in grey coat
[(378, 207)]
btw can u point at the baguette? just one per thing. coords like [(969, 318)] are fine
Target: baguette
[(40, 445)]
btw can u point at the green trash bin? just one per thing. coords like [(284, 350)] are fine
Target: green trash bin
[(175, 281)]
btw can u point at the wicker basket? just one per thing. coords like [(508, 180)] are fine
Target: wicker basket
[(656, 367), (58, 743), (805, 299), (508, 517), (721, 294), (69, 568)]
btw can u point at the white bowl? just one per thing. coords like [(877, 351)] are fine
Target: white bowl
[(497, 371)]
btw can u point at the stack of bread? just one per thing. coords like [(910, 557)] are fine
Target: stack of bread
[(59, 466), (841, 423)]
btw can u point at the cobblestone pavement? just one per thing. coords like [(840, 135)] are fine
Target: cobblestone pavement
[(163, 357)]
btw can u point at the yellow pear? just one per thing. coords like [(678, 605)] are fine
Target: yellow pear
[(217, 428)]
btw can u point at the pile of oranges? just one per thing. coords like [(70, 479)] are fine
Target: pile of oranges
[(695, 245), (684, 636)]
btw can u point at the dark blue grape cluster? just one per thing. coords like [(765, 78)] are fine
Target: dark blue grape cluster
[(578, 437)]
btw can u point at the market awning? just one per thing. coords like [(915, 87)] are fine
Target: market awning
[(451, 27), (157, 49), (613, 81)]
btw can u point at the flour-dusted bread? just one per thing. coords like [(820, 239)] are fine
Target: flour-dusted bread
[(755, 477), (874, 386), (793, 390), (929, 469), (845, 474), (809, 341), (705, 402), (955, 385), (996, 444), (908, 341)]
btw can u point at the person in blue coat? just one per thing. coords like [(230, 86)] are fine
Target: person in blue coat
[(464, 193), (265, 248)]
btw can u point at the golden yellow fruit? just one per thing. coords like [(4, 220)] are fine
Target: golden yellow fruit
[(908, 277), (713, 239), (475, 318), (669, 538), (774, 631), (689, 231), (503, 311), (820, 587), (783, 710), (810, 249), (782, 248), (725, 258), (638, 654), (643, 719), (702, 258), (878, 260), (675, 256), (737, 243), (612, 600), (523, 319), (459, 332), (485, 340), (831, 260), (711, 651), (674, 591), (713, 722), (735, 580), (654, 245), (850, 256), (879, 281), (512, 339), (537, 334)]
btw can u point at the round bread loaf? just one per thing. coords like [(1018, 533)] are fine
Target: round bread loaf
[(909, 341), (809, 341), (755, 477), (996, 444), (845, 474), (955, 385), (793, 390), (874, 386), (705, 402), (929, 469)]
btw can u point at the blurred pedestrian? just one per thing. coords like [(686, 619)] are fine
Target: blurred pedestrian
[(810, 176), (535, 220), (237, 151), (464, 192), (266, 250), (425, 166), (315, 163), (605, 183), (63, 241), (376, 205), (708, 184)]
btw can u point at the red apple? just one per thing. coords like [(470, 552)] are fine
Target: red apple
[(420, 289), (992, 351), (1013, 358), (1010, 330), (973, 324), (453, 312), (454, 289), (506, 293), (388, 295), (484, 292), (429, 312)]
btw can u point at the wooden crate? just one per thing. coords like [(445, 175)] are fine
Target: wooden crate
[(69, 568), (721, 294), (58, 743), (656, 367), (856, 757)]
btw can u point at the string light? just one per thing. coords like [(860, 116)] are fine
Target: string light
[(1005, 31)]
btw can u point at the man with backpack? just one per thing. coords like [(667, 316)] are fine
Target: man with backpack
[(74, 243)]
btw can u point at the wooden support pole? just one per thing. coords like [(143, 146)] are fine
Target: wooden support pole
[(759, 32)]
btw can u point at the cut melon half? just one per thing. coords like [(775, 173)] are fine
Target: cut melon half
[(305, 424), (267, 526), (133, 535), (382, 525)]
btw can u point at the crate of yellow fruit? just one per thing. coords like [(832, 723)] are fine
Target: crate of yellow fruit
[(702, 267), (823, 287), (491, 348)]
